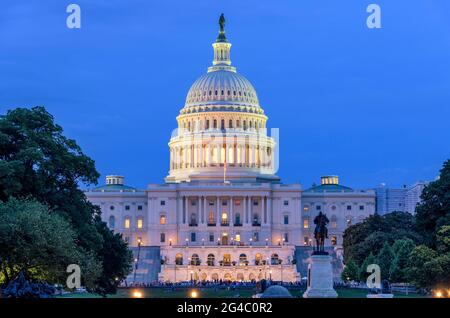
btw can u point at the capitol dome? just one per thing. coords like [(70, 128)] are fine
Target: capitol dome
[(222, 88), (222, 132)]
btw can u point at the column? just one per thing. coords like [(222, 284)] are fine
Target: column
[(250, 216), (183, 205), (217, 211), (231, 210), (199, 210), (208, 155), (263, 209), (203, 209), (185, 209), (269, 210), (244, 217)]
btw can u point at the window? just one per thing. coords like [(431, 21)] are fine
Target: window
[(306, 223), (237, 202), (195, 260), (127, 239), (193, 237), (361, 207), (211, 218), (255, 202), (224, 202), (286, 237), (333, 221), (139, 207), (237, 220), (127, 207), (349, 207), (256, 237), (237, 238), (224, 218), (306, 208), (318, 207), (193, 203), (286, 219), (163, 202), (242, 259), (333, 207), (140, 223), (274, 260), (127, 223), (111, 207), (162, 219), (112, 222), (286, 202), (162, 237), (211, 202), (193, 221), (179, 259), (211, 237), (211, 259)]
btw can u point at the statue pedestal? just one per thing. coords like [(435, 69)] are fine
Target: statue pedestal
[(320, 277)]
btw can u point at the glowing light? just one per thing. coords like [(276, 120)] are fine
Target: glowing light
[(438, 294), (194, 294), (137, 294)]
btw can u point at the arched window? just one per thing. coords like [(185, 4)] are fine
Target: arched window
[(112, 222), (274, 260), (230, 123), (258, 259), (195, 260), (179, 259), (162, 219), (242, 259), (211, 260)]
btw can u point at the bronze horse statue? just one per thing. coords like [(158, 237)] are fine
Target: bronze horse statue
[(321, 231)]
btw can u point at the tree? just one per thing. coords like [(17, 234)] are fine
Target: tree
[(423, 269), (350, 272), (401, 249), (37, 160), (370, 259), (434, 210), (384, 260), (116, 259), (443, 239), (371, 234), (40, 244)]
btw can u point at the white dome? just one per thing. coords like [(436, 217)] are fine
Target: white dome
[(222, 88)]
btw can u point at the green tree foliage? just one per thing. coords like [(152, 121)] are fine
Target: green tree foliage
[(350, 272), (434, 210), (423, 270), (384, 260), (370, 235), (37, 160), (363, 274), (443, 239), (40, 244), (401, 249)]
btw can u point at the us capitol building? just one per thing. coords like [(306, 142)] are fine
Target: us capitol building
[(222, 212)]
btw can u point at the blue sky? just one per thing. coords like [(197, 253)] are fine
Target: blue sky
[(369, 105)]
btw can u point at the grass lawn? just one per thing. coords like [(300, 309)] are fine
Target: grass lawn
[(218, 293)]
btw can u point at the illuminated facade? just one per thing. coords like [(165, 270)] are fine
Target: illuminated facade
[(223, 213)]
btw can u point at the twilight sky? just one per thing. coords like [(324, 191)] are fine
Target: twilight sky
[(368, 105)]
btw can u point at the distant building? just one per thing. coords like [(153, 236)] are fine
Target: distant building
[(403, 199)]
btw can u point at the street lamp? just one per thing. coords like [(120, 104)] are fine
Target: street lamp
[(267, 242), (187, 241), (136, 260), (192, 273), (170, 242), (270, 275)]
